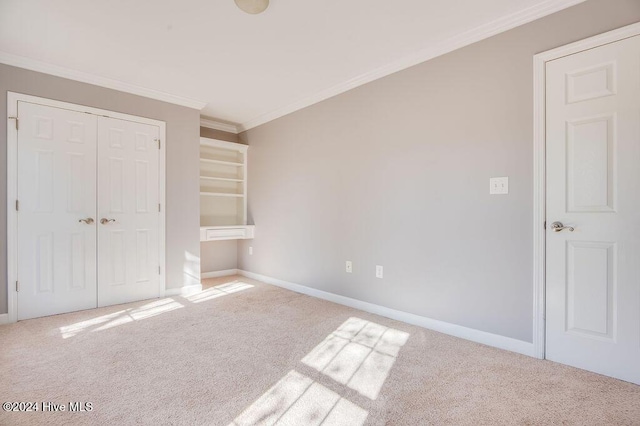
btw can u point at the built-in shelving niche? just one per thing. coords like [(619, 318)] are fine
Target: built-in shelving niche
[(223, 189)]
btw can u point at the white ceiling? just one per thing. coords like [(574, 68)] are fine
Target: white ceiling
[(248, 69)]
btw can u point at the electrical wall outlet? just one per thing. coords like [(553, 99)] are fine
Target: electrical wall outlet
[(250, 251), (499, 185), (349, 266), (378, 271)]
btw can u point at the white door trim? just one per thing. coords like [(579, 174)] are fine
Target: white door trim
[(539, 170), (12, 186)]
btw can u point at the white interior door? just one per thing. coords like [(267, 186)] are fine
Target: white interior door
[(128, 212), (593, 185), (56, 190)]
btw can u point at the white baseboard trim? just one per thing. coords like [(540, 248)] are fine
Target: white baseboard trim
[(489, 339), (183, 291), (216, 274), (4, 319)]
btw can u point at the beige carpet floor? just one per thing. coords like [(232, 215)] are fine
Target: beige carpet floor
[(242, 352)]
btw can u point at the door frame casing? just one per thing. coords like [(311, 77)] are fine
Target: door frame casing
[(12, 187), (539, 167)]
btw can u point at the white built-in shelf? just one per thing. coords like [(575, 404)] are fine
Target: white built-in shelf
[(217, 233), (220, 194), (223, 185), (221, 179), (224, 163)]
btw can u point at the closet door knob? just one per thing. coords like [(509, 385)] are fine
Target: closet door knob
[(558, 226), (88, 220), (104, 220)]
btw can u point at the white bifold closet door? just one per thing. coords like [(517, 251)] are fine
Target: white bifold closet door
[(88, 219), (128, 199), (56, 190)]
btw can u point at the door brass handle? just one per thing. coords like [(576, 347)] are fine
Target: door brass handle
[(104, 220), (558, 226), (88, 220)]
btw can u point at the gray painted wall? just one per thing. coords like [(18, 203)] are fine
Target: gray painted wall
[(183, 198), (205, 132), (396, 173), (218, 255)]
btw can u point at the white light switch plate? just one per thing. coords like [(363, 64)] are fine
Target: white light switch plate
[(379, 271), (499, 185), (349, 266)]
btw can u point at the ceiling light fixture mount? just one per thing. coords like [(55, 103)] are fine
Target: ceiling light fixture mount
[(252, 6)]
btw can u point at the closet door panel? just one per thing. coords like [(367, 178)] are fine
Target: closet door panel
[(56, 218), (128, 197)]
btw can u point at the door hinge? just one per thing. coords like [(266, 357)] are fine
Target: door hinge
[(545, 224), (17, 286), (159, 209), (17, 205), (158, 140), (17, 122), (159, 273)]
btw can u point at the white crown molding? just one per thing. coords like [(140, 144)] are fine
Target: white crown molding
[(58, 71), (218, 125), (489, 339), (466, 38)]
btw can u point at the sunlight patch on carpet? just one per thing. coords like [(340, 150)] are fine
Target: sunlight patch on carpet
[(298, 400), (359, 354), (218, 291), (115, 319)]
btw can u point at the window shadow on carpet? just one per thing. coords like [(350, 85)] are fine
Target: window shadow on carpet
[(358, 355), (151, 309)]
